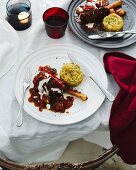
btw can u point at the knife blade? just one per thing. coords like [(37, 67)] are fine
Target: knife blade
[(98, 37), (88, 74)]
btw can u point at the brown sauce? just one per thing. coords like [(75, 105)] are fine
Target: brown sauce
[(49, 99)]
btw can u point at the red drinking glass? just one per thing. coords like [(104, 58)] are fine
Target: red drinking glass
[(56, 20)]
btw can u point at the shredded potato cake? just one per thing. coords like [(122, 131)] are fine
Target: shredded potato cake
[(113, 23), (71, 74)]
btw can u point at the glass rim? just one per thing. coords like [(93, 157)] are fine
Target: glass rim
[(57, 25), (18, 3)]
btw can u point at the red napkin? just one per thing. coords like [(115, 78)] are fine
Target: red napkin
[(122, 121)]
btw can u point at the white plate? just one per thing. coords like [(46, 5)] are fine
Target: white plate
[(8, 35), (55, 56)]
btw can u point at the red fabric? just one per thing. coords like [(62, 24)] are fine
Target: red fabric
[(122, 121)]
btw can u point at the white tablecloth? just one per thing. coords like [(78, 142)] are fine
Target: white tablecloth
[(34, 140)]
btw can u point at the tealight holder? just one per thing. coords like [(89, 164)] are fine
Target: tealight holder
[(19, 14)]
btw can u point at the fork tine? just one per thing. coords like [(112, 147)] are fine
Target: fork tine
[(28, 75)]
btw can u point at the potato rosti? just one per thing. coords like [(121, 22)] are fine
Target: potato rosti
[(113, 23), (71, 74)]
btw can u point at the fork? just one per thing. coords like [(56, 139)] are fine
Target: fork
[(26, 84)]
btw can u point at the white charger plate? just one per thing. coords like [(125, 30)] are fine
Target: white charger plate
[(8, 34), (56, 56)]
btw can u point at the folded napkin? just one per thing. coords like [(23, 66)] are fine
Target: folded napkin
[(5, 58), (5, 49), (122, 121), (9, 43)]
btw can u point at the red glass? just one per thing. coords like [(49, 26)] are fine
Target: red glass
[(56, 20)]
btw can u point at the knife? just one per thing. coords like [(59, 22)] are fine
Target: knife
[(87, 73), (98, 37), (105, 35)]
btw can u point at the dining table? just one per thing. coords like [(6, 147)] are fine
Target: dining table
[(37, 141)]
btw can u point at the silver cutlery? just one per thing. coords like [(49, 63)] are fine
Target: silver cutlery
[(26, 84), (104, 34), (98, 37), (87, 73)]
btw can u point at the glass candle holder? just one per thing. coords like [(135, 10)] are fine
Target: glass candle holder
[(19, 14), (56, 20)]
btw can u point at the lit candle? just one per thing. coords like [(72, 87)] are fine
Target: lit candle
[(23, 17)]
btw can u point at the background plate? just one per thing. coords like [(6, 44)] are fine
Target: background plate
[(129, 23), (55, 56)]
